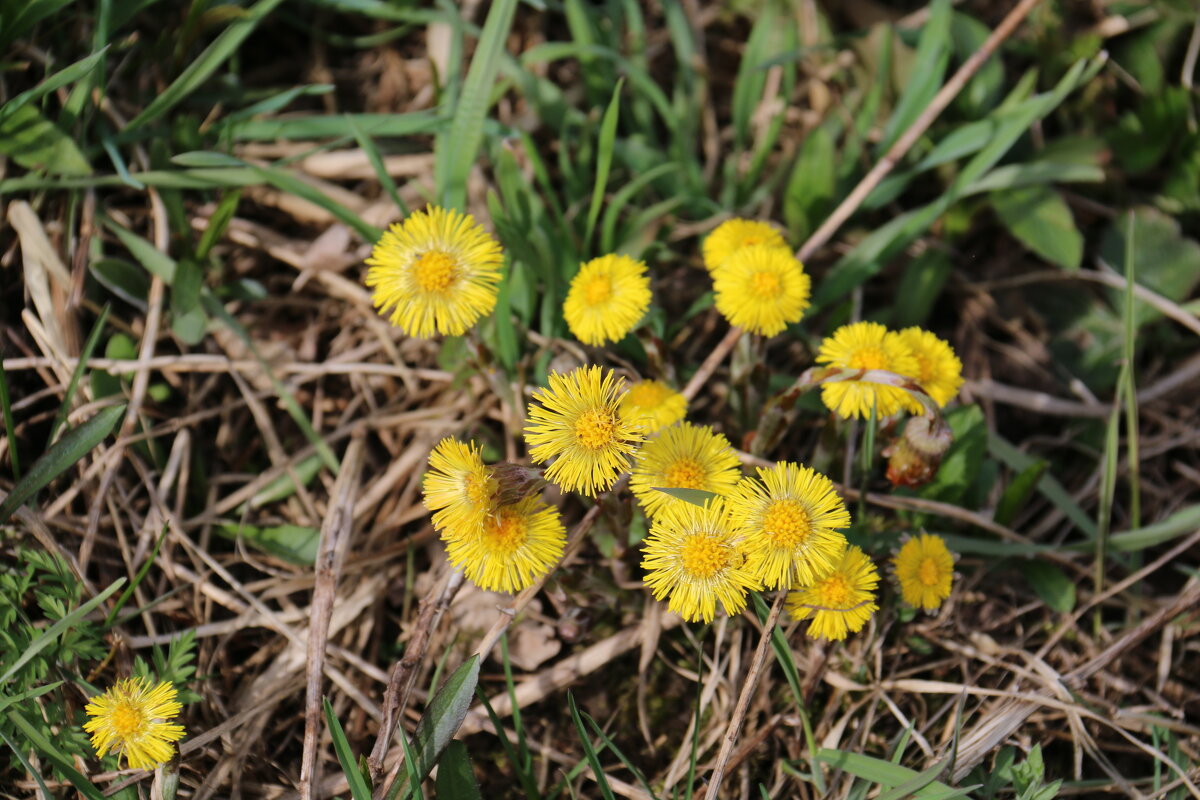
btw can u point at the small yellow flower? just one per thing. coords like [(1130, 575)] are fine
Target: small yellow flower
[(693, 559), (925, 570), (128, 720), (437, 271), (654, 405), (516, 545), (734, 234), (608, 296), (865, 345), (685, 456), (789, 520), (578, 420), (458, 488), (938, 369), (842, 601), (761, 289)]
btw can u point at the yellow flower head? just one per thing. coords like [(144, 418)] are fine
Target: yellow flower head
[(938, 369), (578, 420), (437, 271), (925, 570), (693, 559), (734, 234), (128, 720), (516, 545), (789, 520), (608, 296), (761, 289), (653, 405), (865, 345), (842, 601), (685, 456), (458, 488)]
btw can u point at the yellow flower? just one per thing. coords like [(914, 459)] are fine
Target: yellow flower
[(789, 524), (693, 559), (761, 289), (516, 545), (608, 296), (436, 271), (128, 720), (734, 234), (938, 369), (925, 570), (865, 345), (579, 421), (653, 404), (842, 601), (685, 456), (458, 488)]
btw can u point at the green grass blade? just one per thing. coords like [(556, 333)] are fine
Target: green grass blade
[(154, 260), (62, 762), (60, 456), (47, 637), (10, 427), (928, 72), (589, 752), (376, 161), (611, 745), (29, 769), (85, 355), (604, 156), (1129, 384), (70, 74), (354, 779), (218, 223), (288, 182), (137, 579)]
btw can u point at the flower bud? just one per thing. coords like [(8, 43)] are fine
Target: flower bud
[(515, 482), (914, 456)]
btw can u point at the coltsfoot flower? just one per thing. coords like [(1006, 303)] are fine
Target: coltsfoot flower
[(608, 296), (516, 545), (842, 601), (458, 488), (734, 234), (577, 420), (684, 456), (761, 288), (865, 345), (925, 570), (789, 519), (653, 405), (128, 720), (435, 272), (694, 560), (939, 372)]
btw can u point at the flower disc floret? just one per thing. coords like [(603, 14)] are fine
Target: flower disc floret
[(435, 272), (516, 545), (608, 297), (458, 488), (762, 289), (576, 421), (939, 372), (129, 720), (842, 601), (693, 559), (865, 346), (653, 405), (735, 234), (789, 517), (925, 570), (684, 456)]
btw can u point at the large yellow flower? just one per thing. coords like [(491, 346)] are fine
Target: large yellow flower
[(458, 488), (789, 520), (128, 720), (653, 405), (685, 456), (865, 345), (938, 369), (578, 420), (761, 289), (734, 234), (925, 570), (436, 271), (516, 545), (608, 296), (842, 601), (693, 559)]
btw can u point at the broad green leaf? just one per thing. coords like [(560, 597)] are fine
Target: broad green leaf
[(1167, 261), (123, 279), (456, 778), (1017, 493), (35, 142), (811, 186), (920, 287), (925, 76), (359, 790), (604, 156), (1039, 218), (1051, 584), (294, 543), (697, 497), (965, 457), (154, 260)]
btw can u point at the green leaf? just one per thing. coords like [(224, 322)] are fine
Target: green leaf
[(604, 155), (925, 76), (1041, 220), (920, 287), (10, 427), (154, 260), (62, 762), (965, 457), (35, 142), (456, 778), (354, 779), (811, 186), (296, 544), (123, 279), (68, 621), (74, 445), (56, 81), (1167, 262), (589, 752), (1017, 493), (697, 497), (19, 16), (887, 774), (1051, 584)]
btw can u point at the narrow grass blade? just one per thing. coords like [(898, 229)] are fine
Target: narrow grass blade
[(589, 752), (29, 768), (1129, 382), (604, 156), (69, 74), (376, 161), (46, 637), (528, 780), (288, 182), (10, 427), (60, 456), (137, 579), (928, 72), (218, 223), (85, 355), (62, 761), (154, 260), (887, 774), (354, 779), (611, 745)]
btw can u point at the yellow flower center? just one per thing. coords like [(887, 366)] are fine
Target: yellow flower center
[(925, 370), (685, 474), (835, 592), (764, 284), (786, 523), (597, 290), (434, 271), (868, 358), (507, 532), (647, 395), (928, 573), (477, 489), (596, 429), (750, 241), (127, 720), (703, 555)]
